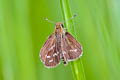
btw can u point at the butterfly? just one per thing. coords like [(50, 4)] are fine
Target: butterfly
[(60, 45)]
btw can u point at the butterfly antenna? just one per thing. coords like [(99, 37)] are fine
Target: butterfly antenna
[(71, 17), (49, 20)]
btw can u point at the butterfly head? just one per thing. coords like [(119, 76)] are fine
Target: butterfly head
[(59, 27)]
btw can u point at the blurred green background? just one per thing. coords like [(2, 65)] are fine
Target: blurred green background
[(23, 31)]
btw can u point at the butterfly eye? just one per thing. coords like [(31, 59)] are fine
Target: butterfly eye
[(57, 28), (62, 25)]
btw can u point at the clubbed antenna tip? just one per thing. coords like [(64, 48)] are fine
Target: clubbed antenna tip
[(45, 18), (74, 15)]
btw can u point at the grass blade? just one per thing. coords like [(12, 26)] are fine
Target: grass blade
[(77, 66)]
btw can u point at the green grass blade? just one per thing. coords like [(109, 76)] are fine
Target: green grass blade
[(77, 66)]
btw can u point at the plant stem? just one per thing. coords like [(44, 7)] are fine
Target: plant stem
[(77, 66)]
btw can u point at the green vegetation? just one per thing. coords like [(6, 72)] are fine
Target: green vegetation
[(23, 31)]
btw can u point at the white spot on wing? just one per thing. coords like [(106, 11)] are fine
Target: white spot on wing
[(51, 47), (51, 60), (47, 56), (71, 50), (75, 50), (55, 54)]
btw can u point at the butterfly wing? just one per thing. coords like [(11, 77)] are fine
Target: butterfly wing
[(48, 54), (71, 48)]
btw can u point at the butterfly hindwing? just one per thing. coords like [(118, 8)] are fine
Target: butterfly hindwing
[(49, 54)]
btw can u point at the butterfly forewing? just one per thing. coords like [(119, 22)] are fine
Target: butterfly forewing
[(71, 48), (49, 55)]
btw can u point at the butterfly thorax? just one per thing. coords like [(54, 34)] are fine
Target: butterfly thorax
[(58, 31)]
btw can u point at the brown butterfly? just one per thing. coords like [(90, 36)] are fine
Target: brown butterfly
[(60, 45)]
